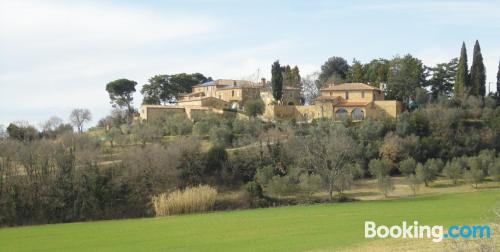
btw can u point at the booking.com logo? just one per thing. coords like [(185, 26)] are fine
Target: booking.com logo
[(416, 231)]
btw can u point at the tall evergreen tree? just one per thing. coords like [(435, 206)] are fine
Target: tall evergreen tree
[(277, 81), (477, 73), (356, 72), (498, 81), (462, 79)]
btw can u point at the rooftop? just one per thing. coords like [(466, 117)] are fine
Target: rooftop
[(348, 87)]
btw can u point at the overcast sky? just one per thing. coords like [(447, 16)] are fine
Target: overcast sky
[(59, 55)]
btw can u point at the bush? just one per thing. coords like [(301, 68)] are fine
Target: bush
[(454, 169), (474, 176), (221, 136), (407, 166), (177, 124), (494, 169), (190, 200), (254, 107), (283, 185), (254, 190), (265, 174)]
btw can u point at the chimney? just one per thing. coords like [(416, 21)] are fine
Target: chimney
[(234, 83), (263, 81)]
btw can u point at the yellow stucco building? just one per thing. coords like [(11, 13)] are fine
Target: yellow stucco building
[(356, 101)]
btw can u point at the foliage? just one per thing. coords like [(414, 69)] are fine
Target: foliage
[(177, 124), (414, 183), (443, 79), (254, 108), (277, 81), (454, 169), (22, 131), (430, 170), (356, 72), (221, 136), (328, 151), (254, 190), (376, 71), (121, 94), (164, 88), (477, 73), (462, 80), (310, 183), (474, 176), (334, 70), (408, 166), (494, 169), (291, 76), (380, 168), (283, 185), (405, 75), (385, 185)]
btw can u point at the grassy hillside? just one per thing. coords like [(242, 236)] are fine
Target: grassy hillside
[(297, 228)]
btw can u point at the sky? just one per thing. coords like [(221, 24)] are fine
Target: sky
[(58, 55)]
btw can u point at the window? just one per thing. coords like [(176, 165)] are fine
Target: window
[(232, 92), (357, 114), (341, 113), (331, 93), (347, 95), (291, 94), (362, 94)]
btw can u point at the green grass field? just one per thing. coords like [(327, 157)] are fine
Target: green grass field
[(295, 228)]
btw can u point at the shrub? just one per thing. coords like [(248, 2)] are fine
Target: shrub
[(454, 169), (190, 200), (414, 183), (221, 136), (494, 169), (385, 184), (254, 190), (254, 107), (283, 185), (407, 166), (310, 183), (265, 174), (474, 176), (177, 124)]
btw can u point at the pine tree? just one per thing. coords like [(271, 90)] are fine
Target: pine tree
[(477, 73), (462, 79), (277, 81)]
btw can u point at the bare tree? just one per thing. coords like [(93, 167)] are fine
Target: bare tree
[(80, 116), (52, 123), (310, 88)]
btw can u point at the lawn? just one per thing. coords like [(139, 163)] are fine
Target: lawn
[(295, 228)]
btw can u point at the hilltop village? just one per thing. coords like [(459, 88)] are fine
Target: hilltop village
[(356, 101)]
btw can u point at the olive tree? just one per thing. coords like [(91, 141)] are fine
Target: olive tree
[(329, 150)]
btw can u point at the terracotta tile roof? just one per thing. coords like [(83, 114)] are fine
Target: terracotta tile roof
[(349, 86), (352, 104), (191, 94), (224, 82), (326, 97)]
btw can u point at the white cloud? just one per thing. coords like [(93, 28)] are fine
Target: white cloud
[(57, 55)]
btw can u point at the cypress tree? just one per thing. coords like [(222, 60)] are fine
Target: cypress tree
[(277, 81), (462, 78), (477, 73), (498, 81)]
